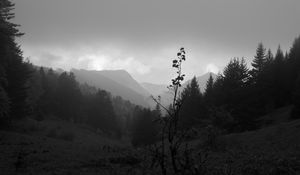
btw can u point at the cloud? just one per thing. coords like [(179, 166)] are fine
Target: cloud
[(143, 36), (92, 58), (45, 59), (102, 62), (211, 67)]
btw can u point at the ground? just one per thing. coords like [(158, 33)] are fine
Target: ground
[(58, 147)]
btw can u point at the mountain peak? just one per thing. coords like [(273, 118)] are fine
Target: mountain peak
[(208, 74)]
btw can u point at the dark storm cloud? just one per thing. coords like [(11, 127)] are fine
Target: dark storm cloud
[(143, 33)]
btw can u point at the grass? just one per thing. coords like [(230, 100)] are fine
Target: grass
[(57, 147)]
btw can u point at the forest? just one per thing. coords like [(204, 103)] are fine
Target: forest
[(237, 101)]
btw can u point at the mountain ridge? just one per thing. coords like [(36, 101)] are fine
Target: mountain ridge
[(113, 84)]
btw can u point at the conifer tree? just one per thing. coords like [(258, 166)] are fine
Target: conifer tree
[(279, 79), (191, 109), (294, 59), (269, 57), (258, 62), (209, 90), (15, 70)]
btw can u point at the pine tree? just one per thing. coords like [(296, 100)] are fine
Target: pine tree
[(294, 60), (279, 79), (258, 62), (269, 57), (209, 90), (236, 74), (234, 94), (192, 109), (15, 71)]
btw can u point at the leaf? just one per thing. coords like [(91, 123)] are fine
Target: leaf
[(175, 61), (178, 54)]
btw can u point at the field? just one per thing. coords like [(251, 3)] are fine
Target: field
[(58, 147)]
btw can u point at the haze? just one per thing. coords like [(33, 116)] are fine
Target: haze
[(143, 36)]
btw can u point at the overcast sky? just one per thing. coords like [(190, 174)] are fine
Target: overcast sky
[(142, 36)]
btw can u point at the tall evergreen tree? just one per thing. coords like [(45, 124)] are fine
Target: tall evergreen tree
[(15, 71), (209, 90), (294, 60), (192, 108), (280, 88), (235, 94), (258, 62), (269, 57), (236, 74), (259, 58)]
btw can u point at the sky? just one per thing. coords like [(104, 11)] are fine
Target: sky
[(143, 36)]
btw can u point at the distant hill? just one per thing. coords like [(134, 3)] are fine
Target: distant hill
[(117, 82), (124, 78), (121, 83), (155, 89), (201, 80)]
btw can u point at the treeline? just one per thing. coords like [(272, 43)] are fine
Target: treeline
[(60, 96), (239, 95)]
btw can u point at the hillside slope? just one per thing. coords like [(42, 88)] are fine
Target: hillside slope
[(155, 89), (115, 83), (273, 149)]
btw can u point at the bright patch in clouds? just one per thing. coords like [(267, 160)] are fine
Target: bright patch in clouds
[(212, 68), (91, 59), (105, 62)]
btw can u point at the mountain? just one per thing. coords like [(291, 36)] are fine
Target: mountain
[(124, 78), (154, 89), (117, 82), (167, 96)]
